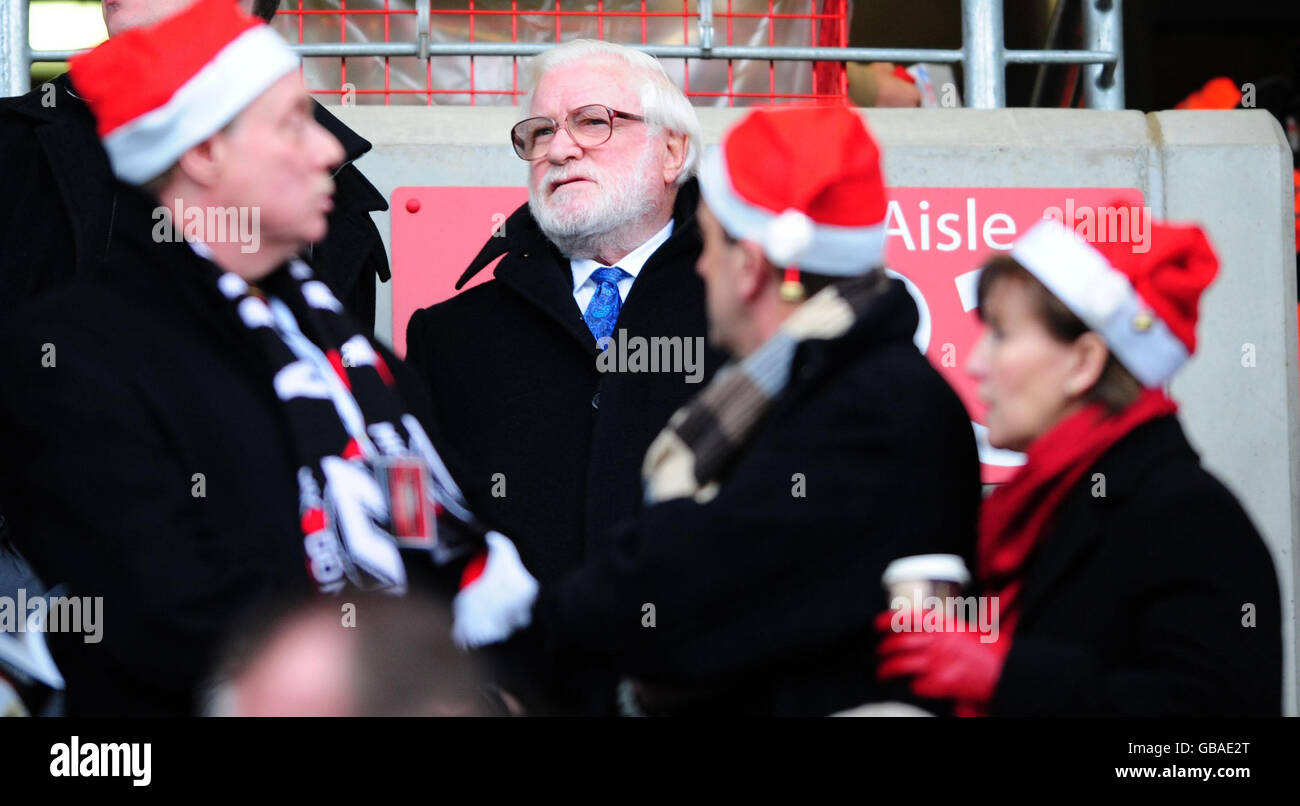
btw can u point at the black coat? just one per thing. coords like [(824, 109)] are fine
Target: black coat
[(512, 370), (352, 256), (764, 599), (59, 202), (1133, 602), (153, 382), (58, 199)]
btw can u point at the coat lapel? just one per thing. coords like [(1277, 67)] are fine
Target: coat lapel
[(542, 277), (664, 268)]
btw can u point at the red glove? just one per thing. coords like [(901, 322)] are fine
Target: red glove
[(943, 665)]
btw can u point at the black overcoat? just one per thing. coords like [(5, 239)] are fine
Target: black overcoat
[(1136, 602)]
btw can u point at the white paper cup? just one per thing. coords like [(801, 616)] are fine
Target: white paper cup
[(920, 576)]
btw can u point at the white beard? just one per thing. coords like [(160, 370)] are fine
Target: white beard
[(612, 218)]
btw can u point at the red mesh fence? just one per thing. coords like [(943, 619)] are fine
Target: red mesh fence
[(498, 79)]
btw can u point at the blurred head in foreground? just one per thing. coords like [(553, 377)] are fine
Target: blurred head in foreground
[(361, 655)]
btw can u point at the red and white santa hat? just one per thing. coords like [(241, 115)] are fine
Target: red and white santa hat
[(804, 182), (1143, 303), (158, 90)]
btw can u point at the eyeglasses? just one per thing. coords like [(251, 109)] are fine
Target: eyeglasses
[(589, 126)]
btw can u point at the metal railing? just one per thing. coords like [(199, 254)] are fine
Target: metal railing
[(983, 55)]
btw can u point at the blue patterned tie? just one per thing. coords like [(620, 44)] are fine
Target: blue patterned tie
[(602, 311)]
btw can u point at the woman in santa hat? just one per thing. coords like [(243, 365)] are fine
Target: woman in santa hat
[(1128, 580)]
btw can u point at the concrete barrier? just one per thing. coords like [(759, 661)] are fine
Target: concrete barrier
[(1240, 395)]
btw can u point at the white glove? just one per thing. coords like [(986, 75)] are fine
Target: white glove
[(496, 601)]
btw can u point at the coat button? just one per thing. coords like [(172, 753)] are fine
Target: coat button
[(595, 401)]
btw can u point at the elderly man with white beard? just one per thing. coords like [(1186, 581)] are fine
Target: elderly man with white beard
[(552, 430)]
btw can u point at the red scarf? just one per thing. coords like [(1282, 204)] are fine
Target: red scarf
[(1017, 515)]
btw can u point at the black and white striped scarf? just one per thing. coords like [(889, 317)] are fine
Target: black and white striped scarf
[(343, 412)]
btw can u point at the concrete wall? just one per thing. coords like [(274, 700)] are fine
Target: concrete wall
[(1229, 170)]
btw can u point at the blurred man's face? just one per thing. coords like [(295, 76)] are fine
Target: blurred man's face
[(580, 192), (720, 265), (277, 158), (123, 15)]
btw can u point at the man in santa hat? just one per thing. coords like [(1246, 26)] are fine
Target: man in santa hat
[(59, 200), (203, 428), (828, 447)]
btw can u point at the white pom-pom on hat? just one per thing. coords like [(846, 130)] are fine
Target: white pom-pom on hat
[(788, 237)]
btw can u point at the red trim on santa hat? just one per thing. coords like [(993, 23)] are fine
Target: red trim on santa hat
[(806, 184), (818, 160), (153, 98), (140, 69)]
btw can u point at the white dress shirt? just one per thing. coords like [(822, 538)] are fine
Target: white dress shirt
[(584, 287)]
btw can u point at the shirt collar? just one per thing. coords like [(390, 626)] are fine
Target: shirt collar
[(584, 267)]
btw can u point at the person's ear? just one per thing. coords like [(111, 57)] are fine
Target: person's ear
[(202, 163), (676, 146), (753, 273), (1090, 357)]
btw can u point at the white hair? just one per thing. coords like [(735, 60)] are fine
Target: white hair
[(663, 104)]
